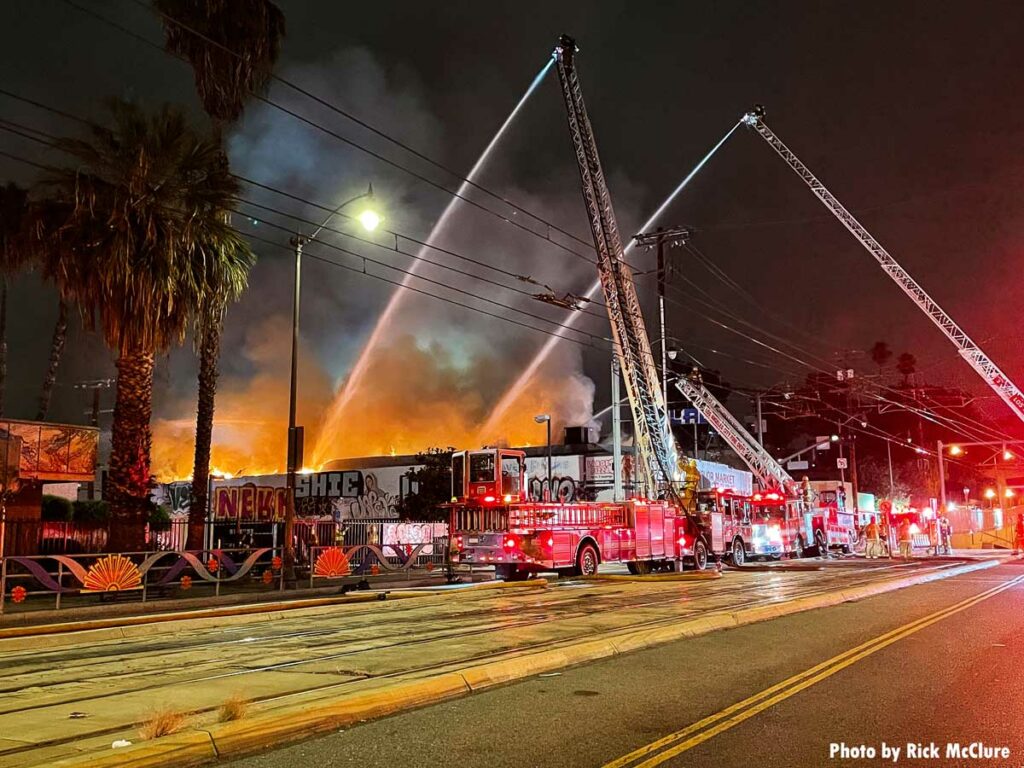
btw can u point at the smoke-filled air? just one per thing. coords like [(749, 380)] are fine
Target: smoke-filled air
[(386, 369)]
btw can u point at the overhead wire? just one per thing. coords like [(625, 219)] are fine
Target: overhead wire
[(366, 259), (372, 153)]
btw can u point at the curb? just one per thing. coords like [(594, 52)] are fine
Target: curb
[(301, 721), (688, 576), (126, 628)]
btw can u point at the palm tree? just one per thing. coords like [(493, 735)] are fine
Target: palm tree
[(232, 46), (13, 207), (144, 204), (880, 355), (906, 364)]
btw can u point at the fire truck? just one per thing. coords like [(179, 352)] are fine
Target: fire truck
[(492, 521), (791, 515), (495, 524)]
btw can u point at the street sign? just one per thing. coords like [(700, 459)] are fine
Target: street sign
[(842, 463), (798, 465), (826, 439)]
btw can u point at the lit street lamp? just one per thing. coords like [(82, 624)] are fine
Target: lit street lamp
[(545, 418), (369, 220)]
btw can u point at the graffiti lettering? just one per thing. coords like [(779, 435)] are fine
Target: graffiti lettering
[(345, 485), (249, 502), (372, 503), (564, 489)]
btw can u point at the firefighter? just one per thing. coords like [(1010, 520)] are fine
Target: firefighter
[(946, 535), (1019, 545), (874, 544), (906, 539)]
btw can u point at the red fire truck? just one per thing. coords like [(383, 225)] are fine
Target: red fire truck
[(494, 523), (742, 526)]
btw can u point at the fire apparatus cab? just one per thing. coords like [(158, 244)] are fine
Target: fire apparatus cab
[(494, 523), (742, 526)]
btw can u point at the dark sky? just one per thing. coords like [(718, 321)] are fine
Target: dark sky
[(910, 112)]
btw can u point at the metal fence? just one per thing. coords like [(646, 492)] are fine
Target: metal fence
[(60, 537)]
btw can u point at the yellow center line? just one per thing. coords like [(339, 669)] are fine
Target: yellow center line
[(743, 710)]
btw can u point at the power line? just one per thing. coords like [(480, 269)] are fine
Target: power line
[(376, 155), (396, 235), (393, 282)]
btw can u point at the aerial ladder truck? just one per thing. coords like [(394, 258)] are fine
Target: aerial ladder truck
[(968, 349), (493, 521), (785, 517)]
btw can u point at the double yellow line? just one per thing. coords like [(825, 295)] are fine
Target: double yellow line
[(657, 752)]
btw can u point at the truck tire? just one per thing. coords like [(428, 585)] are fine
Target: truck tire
[(798, 549), (821, 544), (510, 573), (739, 554), (587, 560), (700, 555)]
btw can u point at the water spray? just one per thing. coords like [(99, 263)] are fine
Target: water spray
[(524, 378), (335, 412)]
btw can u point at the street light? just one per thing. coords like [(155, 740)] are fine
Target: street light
[(369, 219), (545, 418)]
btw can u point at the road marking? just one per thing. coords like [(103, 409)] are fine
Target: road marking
[(699, 732)]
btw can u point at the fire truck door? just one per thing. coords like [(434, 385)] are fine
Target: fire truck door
[(717, 532)]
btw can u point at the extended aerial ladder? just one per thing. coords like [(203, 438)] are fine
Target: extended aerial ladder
[(971, 352), (656, 449), (762, 464)]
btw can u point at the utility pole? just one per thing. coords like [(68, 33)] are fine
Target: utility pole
[(942, 476), (294, 433), (617, 494), (760, 423), (659, 239)]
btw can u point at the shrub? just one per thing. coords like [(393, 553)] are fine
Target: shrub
[(56, 508), (94, 511), (233, 709), (162, 723)]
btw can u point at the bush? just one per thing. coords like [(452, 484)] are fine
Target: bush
[(57, 508), (159, 514), (95, 511)]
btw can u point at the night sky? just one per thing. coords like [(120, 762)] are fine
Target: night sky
[(910, 112)]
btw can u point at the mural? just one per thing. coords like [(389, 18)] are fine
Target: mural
[(54, 451), (403, 537)]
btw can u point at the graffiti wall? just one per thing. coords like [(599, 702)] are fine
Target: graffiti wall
[(356, 494), (566, 478)]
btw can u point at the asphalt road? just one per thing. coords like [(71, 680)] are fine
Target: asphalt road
[(941, 662)]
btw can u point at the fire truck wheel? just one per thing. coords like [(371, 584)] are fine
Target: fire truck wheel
[(510, 573), (739, 554), (586, 560), (821, 544), (700, 555), (798, 551)]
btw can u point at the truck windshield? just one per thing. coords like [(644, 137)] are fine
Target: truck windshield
[(481, 468)]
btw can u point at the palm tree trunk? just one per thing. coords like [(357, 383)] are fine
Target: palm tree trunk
[(3, 342), (209, 353), (60, 334), (128, 481)]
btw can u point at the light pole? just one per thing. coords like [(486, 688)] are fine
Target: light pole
[(369, 219), (545, 418)]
